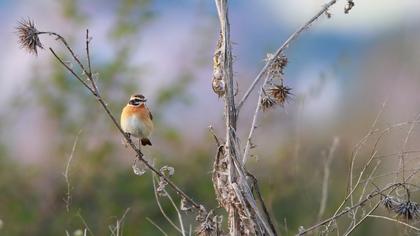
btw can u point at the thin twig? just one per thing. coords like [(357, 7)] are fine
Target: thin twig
[(161, 208), (89, 72), (85, 223), (360, 144), (370, 177), (362, 219), (66, 172), (396, 221), (402, 156), (87, 53), (327, 166), (72, 71), (285, 45), (253, 127), (181, 223), (396, 154), (157, 226), (117, 229), (214, 136)]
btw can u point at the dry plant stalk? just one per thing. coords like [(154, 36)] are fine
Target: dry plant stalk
[(230, 177)]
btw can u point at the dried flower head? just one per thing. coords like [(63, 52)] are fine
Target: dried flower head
[(408, 210), (390, 203), (278, 64), (218, 86), (279, 93), (267, 103), (207, 221), (28, 36), (349, 6)]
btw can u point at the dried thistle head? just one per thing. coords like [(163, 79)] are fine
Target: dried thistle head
[(348, 7), (28, 36), (278, 64), (390, 203), (279, 93), (267, 102), (407, 210)]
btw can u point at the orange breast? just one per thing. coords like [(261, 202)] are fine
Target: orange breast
[(141, 112), (143, 125)]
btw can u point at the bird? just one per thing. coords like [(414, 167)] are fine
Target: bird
[(136, 119)]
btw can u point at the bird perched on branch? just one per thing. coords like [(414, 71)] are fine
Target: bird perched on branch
[(136, 119)]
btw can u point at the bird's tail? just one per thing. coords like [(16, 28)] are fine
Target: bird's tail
[(146, 141)]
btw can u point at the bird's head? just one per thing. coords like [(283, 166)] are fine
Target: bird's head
[(137, 100)]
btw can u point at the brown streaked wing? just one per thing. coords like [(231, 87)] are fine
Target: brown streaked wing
[(150, 114)]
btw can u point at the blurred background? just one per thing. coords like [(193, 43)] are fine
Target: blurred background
[(341, 71)]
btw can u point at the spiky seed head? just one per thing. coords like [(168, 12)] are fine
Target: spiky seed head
[(267, 103), (279, 93), (407, 210), (28, 36), (277, 66), (390, 203)]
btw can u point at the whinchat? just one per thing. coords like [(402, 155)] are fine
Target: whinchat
[(136, 119)]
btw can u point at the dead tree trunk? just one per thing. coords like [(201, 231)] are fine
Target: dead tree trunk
[(233, 191)]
